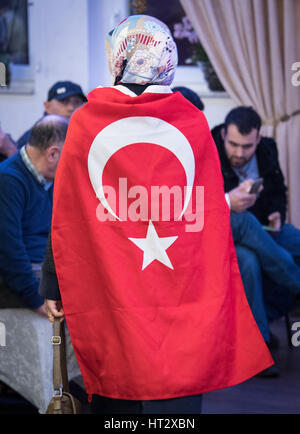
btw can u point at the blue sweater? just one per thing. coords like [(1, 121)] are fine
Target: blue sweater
[(25, 220)]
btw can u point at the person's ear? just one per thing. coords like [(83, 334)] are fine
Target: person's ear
[(223, 134), (258, 139), (52, 153), (47, 105)]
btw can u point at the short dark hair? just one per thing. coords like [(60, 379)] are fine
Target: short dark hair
[(47, 131), (244, 118), (190, 95)]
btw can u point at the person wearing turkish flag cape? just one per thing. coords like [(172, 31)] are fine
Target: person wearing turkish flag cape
[(152, 295)]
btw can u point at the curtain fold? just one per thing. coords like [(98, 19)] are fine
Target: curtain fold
[(252, 45)]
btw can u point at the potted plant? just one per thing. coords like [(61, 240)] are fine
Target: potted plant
[(184, 30)]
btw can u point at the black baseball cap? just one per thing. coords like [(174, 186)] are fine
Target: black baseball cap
[(64, 89), (192, 96)]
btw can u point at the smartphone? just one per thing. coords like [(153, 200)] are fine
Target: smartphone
[(256, 185), (270, 229)]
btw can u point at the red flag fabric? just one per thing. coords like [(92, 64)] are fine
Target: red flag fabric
[(155, 305)]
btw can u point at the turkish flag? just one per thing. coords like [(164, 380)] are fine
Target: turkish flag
[(150, 283)]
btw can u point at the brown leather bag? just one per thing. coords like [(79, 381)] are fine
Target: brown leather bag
[(62, 401)]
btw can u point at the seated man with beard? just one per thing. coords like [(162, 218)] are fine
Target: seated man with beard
[(246, 156)]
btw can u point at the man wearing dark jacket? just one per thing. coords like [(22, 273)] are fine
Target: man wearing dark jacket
[(246, 156), (259, 158)]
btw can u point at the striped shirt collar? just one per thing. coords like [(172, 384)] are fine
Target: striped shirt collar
[(41, 180)]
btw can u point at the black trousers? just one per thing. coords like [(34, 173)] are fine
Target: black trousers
[(185, 405)]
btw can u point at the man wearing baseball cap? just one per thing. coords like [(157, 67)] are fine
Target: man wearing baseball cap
[(64, 97)]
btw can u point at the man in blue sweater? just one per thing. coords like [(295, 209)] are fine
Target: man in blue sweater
[(26, 188)]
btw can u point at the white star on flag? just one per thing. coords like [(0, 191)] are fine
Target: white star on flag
[(154, 247)]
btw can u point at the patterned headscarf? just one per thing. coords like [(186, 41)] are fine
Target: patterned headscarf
[(141, 50)]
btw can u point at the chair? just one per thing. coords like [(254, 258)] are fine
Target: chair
[(26, 357)]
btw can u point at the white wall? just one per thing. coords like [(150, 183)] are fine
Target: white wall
[(104, 16), (67, 42), (58, 51)]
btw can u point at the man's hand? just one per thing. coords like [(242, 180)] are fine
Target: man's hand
[(240, 198), (41, 310), (275, 220), (54, 310)]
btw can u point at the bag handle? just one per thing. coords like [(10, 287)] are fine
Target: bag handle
[(60, 373)]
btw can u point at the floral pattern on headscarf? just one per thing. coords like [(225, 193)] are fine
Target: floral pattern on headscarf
[(141, 50)]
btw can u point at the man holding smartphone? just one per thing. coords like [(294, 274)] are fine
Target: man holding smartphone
[(246, 157)]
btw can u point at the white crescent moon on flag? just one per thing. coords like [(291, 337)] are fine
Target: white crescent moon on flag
[(138, 129)]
